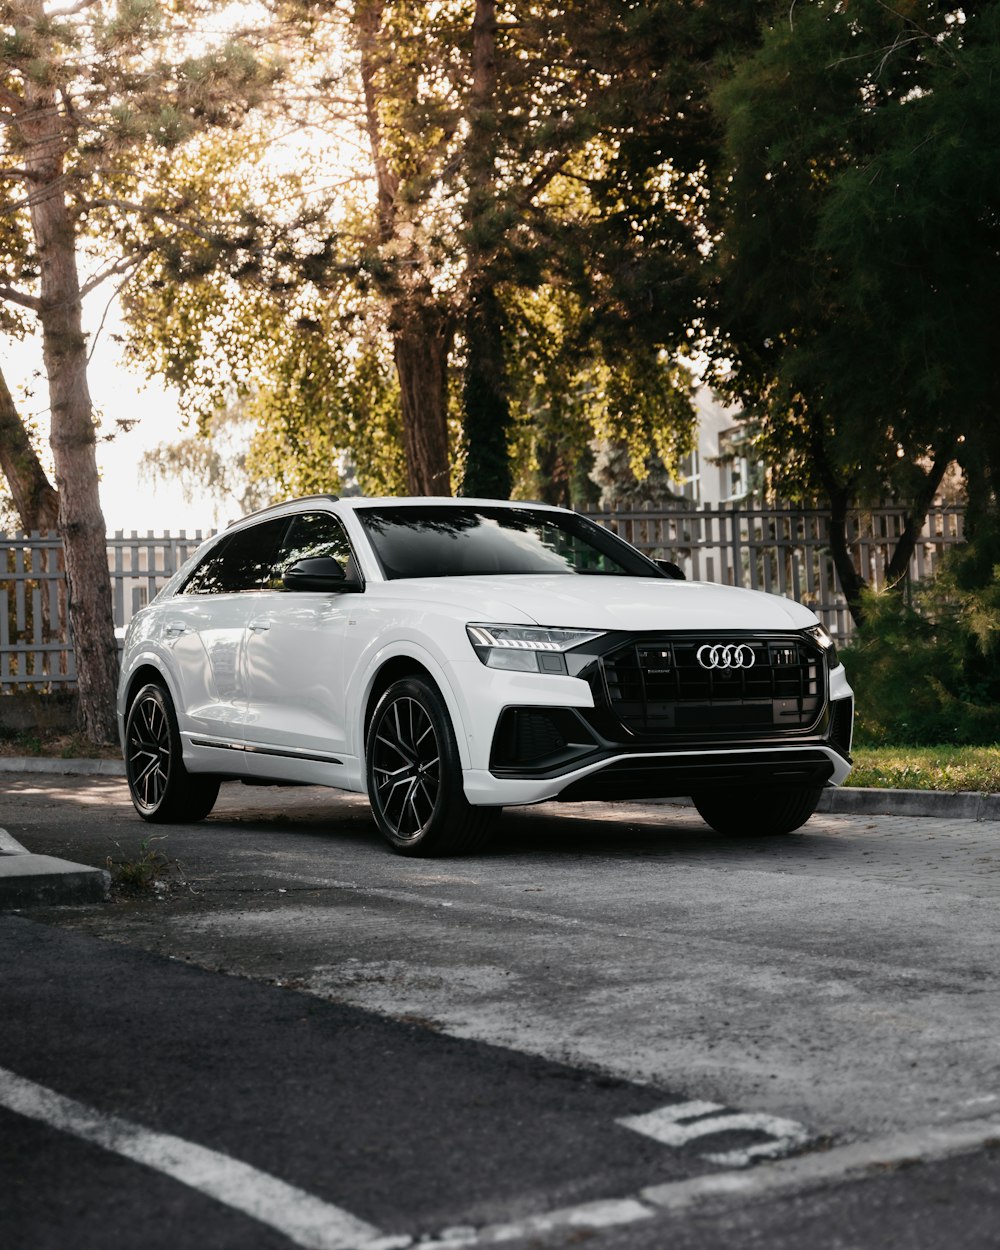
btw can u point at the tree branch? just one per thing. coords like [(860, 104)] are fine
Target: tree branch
[(20, 297), (34, 498), (205, 231), (127, 263), (71, 9)]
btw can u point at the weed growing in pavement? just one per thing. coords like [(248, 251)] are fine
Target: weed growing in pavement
[(150, 871)]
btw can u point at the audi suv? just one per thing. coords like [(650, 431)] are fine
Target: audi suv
[(449, 657)]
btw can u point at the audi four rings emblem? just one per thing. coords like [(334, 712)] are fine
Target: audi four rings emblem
[(720, 656)]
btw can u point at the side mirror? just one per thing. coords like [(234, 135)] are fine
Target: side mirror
[(317, 573), (672, 570)]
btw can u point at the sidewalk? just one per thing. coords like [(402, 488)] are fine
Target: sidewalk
[(27, 879)]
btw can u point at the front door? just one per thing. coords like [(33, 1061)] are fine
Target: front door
[(295, 726)]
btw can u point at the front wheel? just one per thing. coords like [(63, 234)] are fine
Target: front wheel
[(755, 811), (162, 789), (415, 776)]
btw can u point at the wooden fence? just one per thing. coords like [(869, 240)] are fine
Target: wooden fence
[(784, 550), (780, 550), (35, 651)]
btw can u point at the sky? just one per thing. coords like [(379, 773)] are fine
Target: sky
[(129, 500)]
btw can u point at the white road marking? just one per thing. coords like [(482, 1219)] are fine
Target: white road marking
[(589, 1215), (685, 1122), (843, 1163), (303, 1219), (829, 1166)]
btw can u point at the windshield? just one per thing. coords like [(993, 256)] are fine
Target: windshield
[(436, 541)]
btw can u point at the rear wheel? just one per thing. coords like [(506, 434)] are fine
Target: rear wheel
[(162, 789), (758, 810), (415, 776)]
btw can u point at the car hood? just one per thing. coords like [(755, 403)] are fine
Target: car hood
[(622, 603)]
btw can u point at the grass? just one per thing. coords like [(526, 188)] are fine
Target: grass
[(927, 768)]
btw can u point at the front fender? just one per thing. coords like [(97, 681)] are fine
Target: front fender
[(362, 682)]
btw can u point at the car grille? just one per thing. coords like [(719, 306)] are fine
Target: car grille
[(657, 686)]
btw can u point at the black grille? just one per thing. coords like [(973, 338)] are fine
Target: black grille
[(659, 686)]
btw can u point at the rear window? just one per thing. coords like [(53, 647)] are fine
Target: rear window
[(242, 561)]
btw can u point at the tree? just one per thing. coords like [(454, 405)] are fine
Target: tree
[(557, 152), (90, 95), (32, 494), (859, 256), (502, 150)]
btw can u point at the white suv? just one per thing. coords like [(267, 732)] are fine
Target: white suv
[(451, 656)]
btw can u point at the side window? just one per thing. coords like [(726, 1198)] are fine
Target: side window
[(313, 534), (243, 561)]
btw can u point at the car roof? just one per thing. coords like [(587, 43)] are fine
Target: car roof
[(356, 503)]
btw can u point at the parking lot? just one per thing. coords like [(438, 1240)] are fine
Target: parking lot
[(608, 1010)]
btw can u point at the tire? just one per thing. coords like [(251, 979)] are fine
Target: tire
[(415, 776), (756, 811), (162, 789)]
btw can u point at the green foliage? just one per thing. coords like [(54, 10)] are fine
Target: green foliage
[(326, 414), (859, 312), (930, 672), (860, 254)]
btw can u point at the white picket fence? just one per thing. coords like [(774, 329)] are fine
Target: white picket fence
[(781, 550)]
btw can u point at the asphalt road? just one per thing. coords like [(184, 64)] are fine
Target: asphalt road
[(614, 1014)]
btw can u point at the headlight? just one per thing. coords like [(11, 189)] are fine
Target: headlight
[(526, 648), (821, 635)]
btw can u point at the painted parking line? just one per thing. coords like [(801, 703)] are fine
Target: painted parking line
[(842, 1164), (303, 1219), (684, 1122)]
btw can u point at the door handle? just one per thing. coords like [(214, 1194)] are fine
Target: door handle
[(175, 630), (258, 627)]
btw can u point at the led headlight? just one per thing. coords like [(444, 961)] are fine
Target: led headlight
[(821, 635), (526, 648)]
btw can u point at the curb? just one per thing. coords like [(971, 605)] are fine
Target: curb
[(61, 768), (945, 804), (842, 800), (28, 880)]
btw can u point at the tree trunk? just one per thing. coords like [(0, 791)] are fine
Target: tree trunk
[(422, 339), (34, 498), (851, 582), (72, 433), (486, 411), (422, 326), (916, 514), (485, 405)]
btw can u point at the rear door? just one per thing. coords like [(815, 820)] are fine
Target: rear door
[(204, 629), (295, 725)]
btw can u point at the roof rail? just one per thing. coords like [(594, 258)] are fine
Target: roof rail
[(328, 498)]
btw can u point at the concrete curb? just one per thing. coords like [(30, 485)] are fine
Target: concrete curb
[(61, 768), (28, 880), (845, 800), (945, 804)]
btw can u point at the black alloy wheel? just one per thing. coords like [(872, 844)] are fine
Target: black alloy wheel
[(162, 789), (415, 776)]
